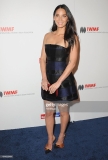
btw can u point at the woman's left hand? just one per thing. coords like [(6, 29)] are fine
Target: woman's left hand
[(54, 87)]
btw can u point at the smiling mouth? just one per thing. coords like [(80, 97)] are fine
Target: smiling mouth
[(60, 23)]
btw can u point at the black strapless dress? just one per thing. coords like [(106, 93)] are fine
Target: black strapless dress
[(55, 65)]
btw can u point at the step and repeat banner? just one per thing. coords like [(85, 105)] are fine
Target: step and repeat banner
[(23, 25)]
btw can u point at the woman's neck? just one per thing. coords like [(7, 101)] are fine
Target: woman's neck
[(60, 31)]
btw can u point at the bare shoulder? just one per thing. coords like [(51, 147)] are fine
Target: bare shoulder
[(77, 38), (76, 45), (46, 36)]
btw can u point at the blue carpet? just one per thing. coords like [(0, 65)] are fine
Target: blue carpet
[(85, 140)]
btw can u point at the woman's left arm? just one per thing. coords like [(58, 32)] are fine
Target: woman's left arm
[(73, 59)]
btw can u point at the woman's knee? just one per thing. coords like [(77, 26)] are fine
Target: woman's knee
[(49, 114), (64, 114)]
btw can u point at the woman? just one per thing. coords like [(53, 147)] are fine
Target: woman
[(59, 58)]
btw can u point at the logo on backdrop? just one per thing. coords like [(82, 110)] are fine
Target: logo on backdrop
[(1, 94), (83, 29), (8, 93), (11, 30), (80, 87), (89, 29), (86, 86), (6, 29), (57, 114), (13, 93), (43, 116)]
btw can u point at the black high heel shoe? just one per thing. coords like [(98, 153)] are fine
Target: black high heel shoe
[(47, 150), (59, 145)]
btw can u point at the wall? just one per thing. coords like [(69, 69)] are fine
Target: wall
[(22, 28)]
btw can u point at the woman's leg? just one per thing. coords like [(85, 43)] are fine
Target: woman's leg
[(49, 120), (64, 118)]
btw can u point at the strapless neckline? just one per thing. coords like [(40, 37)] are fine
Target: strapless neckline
[(57, 45)]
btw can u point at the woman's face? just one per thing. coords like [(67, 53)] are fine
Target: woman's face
[(60, 18)]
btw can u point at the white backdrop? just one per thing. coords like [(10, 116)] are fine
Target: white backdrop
[(22, 28)]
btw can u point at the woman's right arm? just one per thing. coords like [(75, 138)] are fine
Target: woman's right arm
[(44, 82)]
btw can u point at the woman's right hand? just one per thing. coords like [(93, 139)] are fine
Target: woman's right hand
[(44, 84)]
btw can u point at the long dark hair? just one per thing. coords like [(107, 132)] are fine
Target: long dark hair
[(70, 30)]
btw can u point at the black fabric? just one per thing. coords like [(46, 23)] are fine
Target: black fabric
[(56, 63)]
